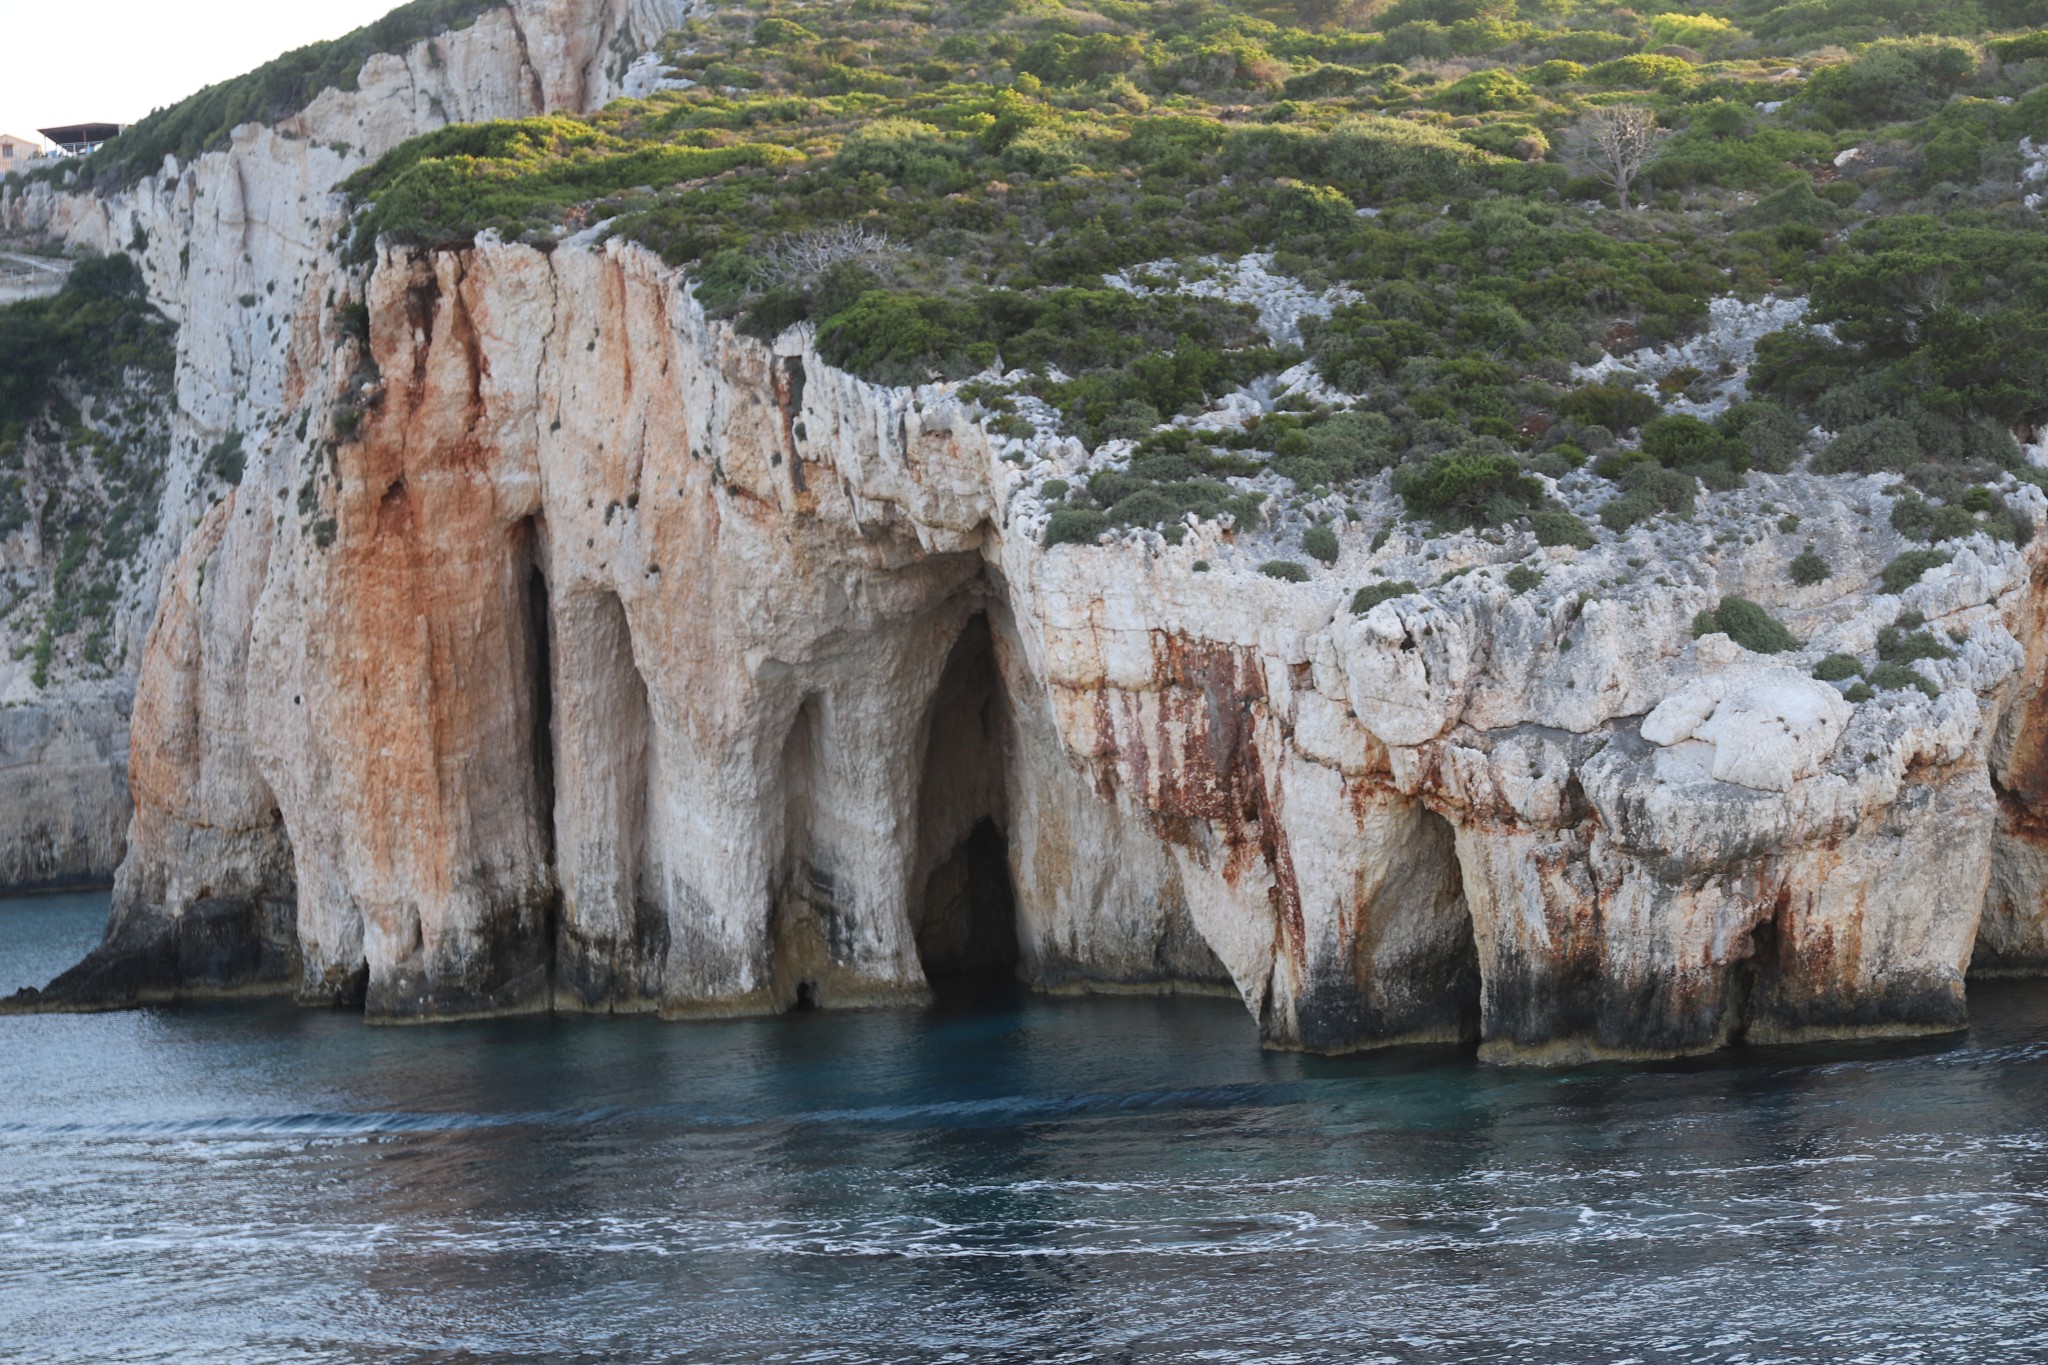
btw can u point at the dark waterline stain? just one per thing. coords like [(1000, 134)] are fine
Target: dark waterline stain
[(1001, 1177)]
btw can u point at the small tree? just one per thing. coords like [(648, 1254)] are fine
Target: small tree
[(1619, 141)]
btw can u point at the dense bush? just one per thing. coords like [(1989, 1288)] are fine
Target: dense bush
[(1320, 543), (1614, 406), (1747, 624), (1809, 568), (1370, 596), (1905, 570), (1555, 526), (1896, 645), (1468, 487), (98, 326), (1837, 668), (1648, 490)]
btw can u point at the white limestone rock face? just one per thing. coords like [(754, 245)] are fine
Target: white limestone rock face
[(63, 797), (237, 249)]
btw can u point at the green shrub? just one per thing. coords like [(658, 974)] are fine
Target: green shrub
[(1521, 578), (1768, 431), (1485, 92), (1469, 487), (1837, 668), (1370, 596), (1888, 81), (1387, 158), (1074, 526), (1858, 692), (1618, 407), (1589, 45), (1555, 526), (781, 33), (1893, 677), (895, 338), (1905, 570), (1809, 568), (1557, 72), (2027, 47), (1053, 490), (1348, 446), (1980, 509), (1320, 542), (1895, 645), (1640, 69), (1678, 442), (1747, 624), (1286, 570), (1884, 445), (1647, 490)]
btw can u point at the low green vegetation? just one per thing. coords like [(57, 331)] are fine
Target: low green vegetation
[(1907, 569), (1747, 624), (1808, 568), (1838, 668), (1370, 596), (1903, 645), (1896, 677)]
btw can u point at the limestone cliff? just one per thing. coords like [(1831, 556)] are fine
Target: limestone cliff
[(235, 249), (612, 661), (553, 645)]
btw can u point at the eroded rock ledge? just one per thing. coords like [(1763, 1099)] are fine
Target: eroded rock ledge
[(615, 662)]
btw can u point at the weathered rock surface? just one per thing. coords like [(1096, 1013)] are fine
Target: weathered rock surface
[(236, 247), (63, 790), (623, 663)]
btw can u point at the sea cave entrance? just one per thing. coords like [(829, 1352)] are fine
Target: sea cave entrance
[(964, 908)]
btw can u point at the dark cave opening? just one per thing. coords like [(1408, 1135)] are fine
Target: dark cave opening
[(540, 666), (539, 649), (965, 912)]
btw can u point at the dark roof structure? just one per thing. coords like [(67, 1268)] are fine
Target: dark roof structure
[(72, 135)]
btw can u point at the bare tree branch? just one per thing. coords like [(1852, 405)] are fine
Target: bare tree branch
[(810, 254), (1619, 141)]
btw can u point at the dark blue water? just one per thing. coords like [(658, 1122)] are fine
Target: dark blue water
[(1055, 1180)]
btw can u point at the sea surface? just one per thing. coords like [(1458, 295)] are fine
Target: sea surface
[(1009, 1179)]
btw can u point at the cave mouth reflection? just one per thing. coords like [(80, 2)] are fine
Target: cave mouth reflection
[(965, 917)]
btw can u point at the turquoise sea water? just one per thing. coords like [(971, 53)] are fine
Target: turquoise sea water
[(1025, 1179)]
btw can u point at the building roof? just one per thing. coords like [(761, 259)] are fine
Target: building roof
[(71, 134)]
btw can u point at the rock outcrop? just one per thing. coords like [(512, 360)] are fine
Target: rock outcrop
[(237, 249), (615, 661), (63, 789)]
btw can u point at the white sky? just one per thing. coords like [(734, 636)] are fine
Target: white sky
[(115, 60)]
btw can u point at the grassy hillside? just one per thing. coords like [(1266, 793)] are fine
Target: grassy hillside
[(935, 186)]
